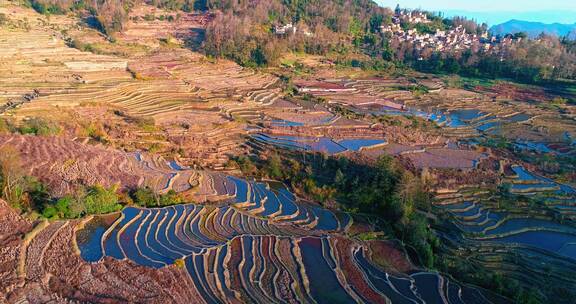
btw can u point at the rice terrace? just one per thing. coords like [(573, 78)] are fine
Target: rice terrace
[(284, 151)]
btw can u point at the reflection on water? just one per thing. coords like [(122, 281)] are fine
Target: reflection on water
[(89, 239)]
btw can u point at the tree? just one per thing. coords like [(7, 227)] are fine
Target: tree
[(3, 19), (12, 176), (375, 22), (39, 126), (452, 66), (274, 167), (520, 35), (409, 193), (76, 206), (100, 200), (339, 178), (50, 212), (417, 234), (170, 198), (35, 193), (145, 197), (64, 207), (559, 101), (5, 127)]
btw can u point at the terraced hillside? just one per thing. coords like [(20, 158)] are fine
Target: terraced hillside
[(466, 114), (222, 76), (231, 256), (43, 267), (512, 240), (465, 117), (65, 164), (149, 24), (494, 214), (364, 95), (209, 254), (160, 82), (46, 65), (142, 108), (12, 228), (314, 128), (318, 144)]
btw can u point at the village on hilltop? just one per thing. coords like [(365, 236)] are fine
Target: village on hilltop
[(454, 39)]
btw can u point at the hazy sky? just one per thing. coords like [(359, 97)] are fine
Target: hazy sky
[(497, 11)]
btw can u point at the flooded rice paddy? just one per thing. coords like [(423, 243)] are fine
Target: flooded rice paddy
[(262, 246), (319, 144), (486, 224)]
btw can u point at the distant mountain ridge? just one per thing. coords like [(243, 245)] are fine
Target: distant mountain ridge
[(533, 29)]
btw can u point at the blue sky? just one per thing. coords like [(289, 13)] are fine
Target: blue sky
[(497, 11)]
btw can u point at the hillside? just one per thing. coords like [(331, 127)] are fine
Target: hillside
[(281, 151), (533, 29)]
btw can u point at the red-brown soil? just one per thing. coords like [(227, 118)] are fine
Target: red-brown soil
[(444, 158), (362, 130), (62, 164), (514, 92), (352, 274), (53, 272), (12, 229), (455, 179), (388, 255)]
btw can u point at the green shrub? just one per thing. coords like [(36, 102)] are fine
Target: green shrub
[(101, 200), (85, 47), (170, 198), (96, 200), (19, 190), (146, 197), (559, 101), (246, 165), (39, 126), (5, 126), (3, 19), (67, 207), (49, 212), (96, 131), (47, 8)]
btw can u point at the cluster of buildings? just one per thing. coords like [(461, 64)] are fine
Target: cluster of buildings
[(409, 17), (454, 39), (290, 29)]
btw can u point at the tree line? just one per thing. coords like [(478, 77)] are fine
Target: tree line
[(109, 16), (347, 30), (525, 60), (244, 31)]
